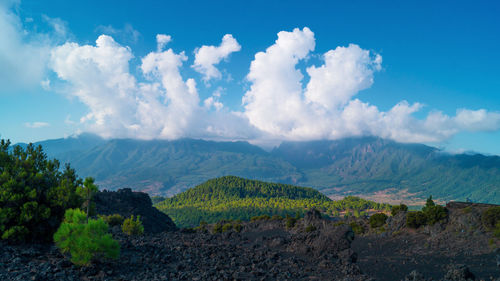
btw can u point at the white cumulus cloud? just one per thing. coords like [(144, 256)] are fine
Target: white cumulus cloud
[(162, 40), (207, 57), (166, 107), (278, 104)]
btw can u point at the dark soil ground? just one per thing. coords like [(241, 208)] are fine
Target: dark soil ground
[(388, 259), (261, 251)]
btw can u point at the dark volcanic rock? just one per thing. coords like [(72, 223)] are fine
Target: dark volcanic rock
[(415, 276), (262, 251), (127, 203), (459, 273)]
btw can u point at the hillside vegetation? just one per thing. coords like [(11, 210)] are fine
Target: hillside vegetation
[(233, 198)]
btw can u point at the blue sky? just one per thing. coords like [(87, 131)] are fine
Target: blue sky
[(442, 55)]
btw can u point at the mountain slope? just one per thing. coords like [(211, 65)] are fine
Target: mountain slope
[(357, 166), (368, 165)]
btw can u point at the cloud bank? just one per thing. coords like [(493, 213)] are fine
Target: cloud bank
[(283, 102), (278, 106)]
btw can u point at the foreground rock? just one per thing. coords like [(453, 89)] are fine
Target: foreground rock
[(126, 203), (264, 250)]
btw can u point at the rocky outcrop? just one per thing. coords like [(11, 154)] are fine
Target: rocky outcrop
[(126, 203)]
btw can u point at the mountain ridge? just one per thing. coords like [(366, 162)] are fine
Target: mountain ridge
[(350, 166)]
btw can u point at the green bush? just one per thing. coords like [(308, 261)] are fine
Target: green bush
[(310, 228), (237, 227), (34, 193), (227, 227), (113, 220), (357, 228), (290, 221), (435, 214), (261, 217), (202, 227), (217, 228), (491, 217), (16, 233), (276, 217), (377, 220), (396, 209), (85, 241), (496, 231), (415, 219), (133, 226)]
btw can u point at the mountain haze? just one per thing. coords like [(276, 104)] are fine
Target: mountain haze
[(352, 166)]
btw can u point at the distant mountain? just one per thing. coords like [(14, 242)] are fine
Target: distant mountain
[(235, 198), (356, 166), (68, 145), (367, 165), (169, 167)]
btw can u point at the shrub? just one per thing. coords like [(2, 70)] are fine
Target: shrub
[(202, 227), (85, 241), (217, 228), (290, 221), (113, 220), (435, 214), (133, 226), (339, 223), (87, 191), (237, 227), (396, 209), (310, 228), (496, 231), (261, 217), (227, 227), (16, 233), (491, 217), (415, 219), (276, 217), (377, 220), (34, 193), (357, 228)]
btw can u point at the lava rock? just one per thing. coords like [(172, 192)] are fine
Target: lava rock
[(126, 203)]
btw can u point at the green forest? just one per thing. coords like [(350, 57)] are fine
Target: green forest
[(232, 198)]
